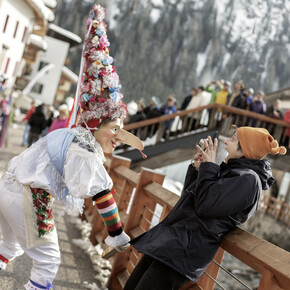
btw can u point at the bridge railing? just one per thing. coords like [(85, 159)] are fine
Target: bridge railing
[(213, 116), (143, 202)]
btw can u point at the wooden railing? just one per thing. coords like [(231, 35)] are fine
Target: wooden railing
[(139, 195), (213, 116)]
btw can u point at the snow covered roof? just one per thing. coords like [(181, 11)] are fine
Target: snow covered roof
[(63, 34), (38, 41), (70, 74), (45, 12), (50, 3)]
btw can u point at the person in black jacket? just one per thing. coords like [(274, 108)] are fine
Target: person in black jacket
[(37, 123), (215, 200), (187, 99), (236, 99)]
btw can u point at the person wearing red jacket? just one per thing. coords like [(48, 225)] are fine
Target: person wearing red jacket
[(27, 126)]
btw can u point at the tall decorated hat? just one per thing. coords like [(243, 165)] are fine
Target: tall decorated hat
[(98, 94)]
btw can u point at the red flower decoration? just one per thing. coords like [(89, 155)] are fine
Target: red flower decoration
[(102, 73)]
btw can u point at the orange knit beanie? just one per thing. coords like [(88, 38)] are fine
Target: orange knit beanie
[(256, 143)]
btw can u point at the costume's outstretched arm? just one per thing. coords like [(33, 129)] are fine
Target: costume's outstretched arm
[(108, 210)]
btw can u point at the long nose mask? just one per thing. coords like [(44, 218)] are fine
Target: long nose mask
[(130, 139)]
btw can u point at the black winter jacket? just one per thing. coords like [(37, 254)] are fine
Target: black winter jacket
[(214, 201), (37, 121), (239, 102)]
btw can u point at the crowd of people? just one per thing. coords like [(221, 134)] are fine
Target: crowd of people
[(221, 92), (39, 121)]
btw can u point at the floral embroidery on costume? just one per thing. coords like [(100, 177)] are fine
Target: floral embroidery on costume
[(43, 211)]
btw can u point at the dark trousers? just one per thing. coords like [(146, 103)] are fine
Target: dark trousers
[(32, 138), (153, 275)]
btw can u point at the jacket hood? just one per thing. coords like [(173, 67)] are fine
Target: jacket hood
[(261, 167), (39, 110)]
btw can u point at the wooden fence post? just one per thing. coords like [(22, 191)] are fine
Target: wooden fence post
[(140, 200)]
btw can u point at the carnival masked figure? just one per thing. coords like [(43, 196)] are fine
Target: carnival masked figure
[(67, 165)]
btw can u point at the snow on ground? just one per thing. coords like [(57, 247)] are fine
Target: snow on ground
[(101, 266)]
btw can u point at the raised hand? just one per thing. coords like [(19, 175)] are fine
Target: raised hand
[(209, 154), (197, 159)]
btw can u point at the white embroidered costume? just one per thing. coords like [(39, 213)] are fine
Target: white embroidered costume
[(33, 168)]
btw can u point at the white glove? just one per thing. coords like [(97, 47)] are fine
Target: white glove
[(123, 248), (117, 241)]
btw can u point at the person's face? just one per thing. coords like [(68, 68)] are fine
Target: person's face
[(107, 135), (62, 115), (231, 146), (237, 87), (277, 105), (193, 93), (226, 87)]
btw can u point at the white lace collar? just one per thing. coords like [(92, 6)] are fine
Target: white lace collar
[(86, 138)]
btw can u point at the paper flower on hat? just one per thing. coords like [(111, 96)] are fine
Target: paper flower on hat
[(98, 94), (99, 91)]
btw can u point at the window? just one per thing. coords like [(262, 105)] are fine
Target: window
[(25, 34), (16, 28), (7, 65), (42, 64), (6, 22), (37, 88)]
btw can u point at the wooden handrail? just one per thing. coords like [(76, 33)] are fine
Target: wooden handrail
[(265, 258), (210, 117), (224, 108), (259, 254)]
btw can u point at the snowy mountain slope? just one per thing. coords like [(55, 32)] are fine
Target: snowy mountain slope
[(163, 46)]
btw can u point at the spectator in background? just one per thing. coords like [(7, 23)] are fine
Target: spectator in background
[(274, 110), (60, 122), (201, 99), (167, 109), (4, 111), (140, 115), (221, 98), (132, 108), (2, 83), (187, 99), (249, 98), (37, 123), (236, 99), (258, 106), (27, 126), (213, 87), (153, 110), (49, 119)]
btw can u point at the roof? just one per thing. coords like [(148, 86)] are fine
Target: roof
[(50, 3), (38, 41), (41, 9), (63, 34), (70, 75)]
